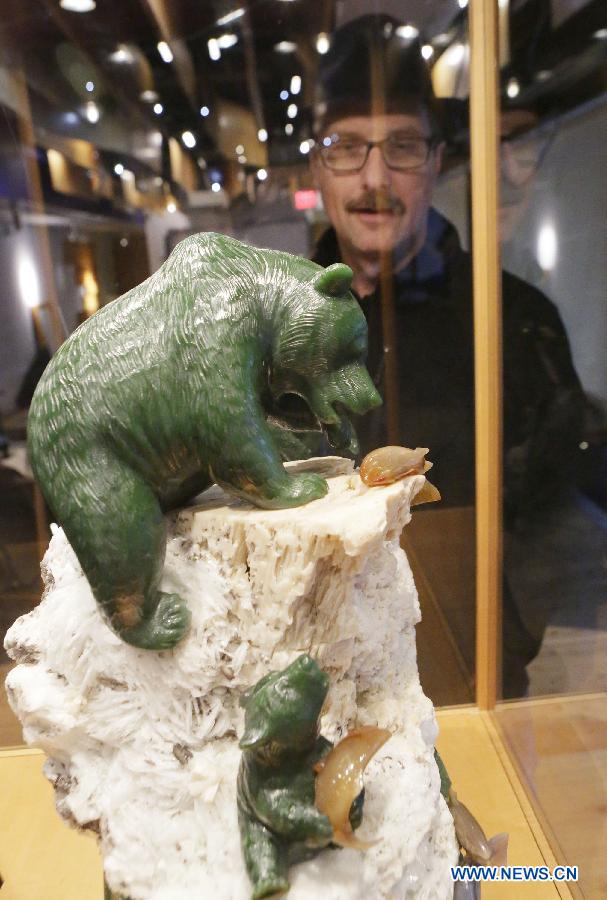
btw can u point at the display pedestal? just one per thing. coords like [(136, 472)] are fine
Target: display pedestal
[(143, 747)]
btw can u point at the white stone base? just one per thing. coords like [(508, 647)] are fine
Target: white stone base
[(143, 746)]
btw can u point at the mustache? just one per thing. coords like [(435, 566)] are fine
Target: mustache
[(375, 202)]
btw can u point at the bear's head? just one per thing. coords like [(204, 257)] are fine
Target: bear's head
[(282, 710), (320, 352)]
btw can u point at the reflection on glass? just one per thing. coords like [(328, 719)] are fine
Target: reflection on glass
[(551, 229), (380, 144), (553, 234)]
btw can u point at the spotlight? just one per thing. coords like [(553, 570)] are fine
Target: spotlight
[(166, 54)]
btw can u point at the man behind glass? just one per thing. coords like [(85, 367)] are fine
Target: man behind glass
[(378, 153)]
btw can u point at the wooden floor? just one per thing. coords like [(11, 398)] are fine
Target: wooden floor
[(559, 746), (486, 781), (41, 859)]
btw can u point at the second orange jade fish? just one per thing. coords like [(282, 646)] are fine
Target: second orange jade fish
[(339, 780)]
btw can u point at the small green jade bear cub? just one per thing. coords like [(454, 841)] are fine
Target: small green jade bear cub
[(279, 823), (181, 383)]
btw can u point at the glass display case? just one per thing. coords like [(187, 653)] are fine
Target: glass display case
[(468, 197)]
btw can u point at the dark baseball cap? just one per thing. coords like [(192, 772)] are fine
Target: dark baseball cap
[(370, 68)]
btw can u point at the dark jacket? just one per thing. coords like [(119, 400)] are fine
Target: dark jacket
[(433, 343)]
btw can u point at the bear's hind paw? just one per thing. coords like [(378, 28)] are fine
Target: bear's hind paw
[(168, 624)]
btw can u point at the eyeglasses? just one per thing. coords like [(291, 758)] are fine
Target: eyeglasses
[(348, 153)]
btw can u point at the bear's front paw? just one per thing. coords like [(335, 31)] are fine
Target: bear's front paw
[(166, 626), (302, 488)]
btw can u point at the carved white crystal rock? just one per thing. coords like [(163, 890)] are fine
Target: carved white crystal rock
[(143, 746)]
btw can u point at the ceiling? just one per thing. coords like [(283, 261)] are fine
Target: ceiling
[(555, 57)]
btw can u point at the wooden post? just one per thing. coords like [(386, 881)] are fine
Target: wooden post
[(484, 71)]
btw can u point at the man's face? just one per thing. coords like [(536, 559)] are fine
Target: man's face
[(379, 209)]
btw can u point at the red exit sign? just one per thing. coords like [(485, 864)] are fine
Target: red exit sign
[(305, 199)]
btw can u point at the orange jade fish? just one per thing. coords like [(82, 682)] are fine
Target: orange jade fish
[(339, 780), (389, 464), (471, 837)]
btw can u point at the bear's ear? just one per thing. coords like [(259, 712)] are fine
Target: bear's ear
[(335, 280)]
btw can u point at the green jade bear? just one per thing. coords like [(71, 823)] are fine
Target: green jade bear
[(206, 372), (279, 823)]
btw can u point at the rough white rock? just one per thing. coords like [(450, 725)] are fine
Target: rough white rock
[(142, 746)]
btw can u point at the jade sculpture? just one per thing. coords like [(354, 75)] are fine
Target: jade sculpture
[(279, 822), (207, 372)]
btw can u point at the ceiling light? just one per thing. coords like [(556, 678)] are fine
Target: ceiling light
[(304, 147), (284, 95), (322, 43), (124, 242), (78, 6), (327, 141), (148, 96), (70, 118), (262, 174), (90, 86), (427, 51), (462, 3), (242, 159), (513, 87), (441, 40), (158, 109), (239, 149), (204, 111), (215, 187), (601, 34), (288, 129), (407, 32), (119, 169), (292, 110), (295, 84), (122, 54), (214, 49), (225, 41), (158, 181), (231, 16), (202, 162), (171, 206), (543, 75), (166, 54), (92, 112), (285, 47), (262, 135), (188, 139)]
